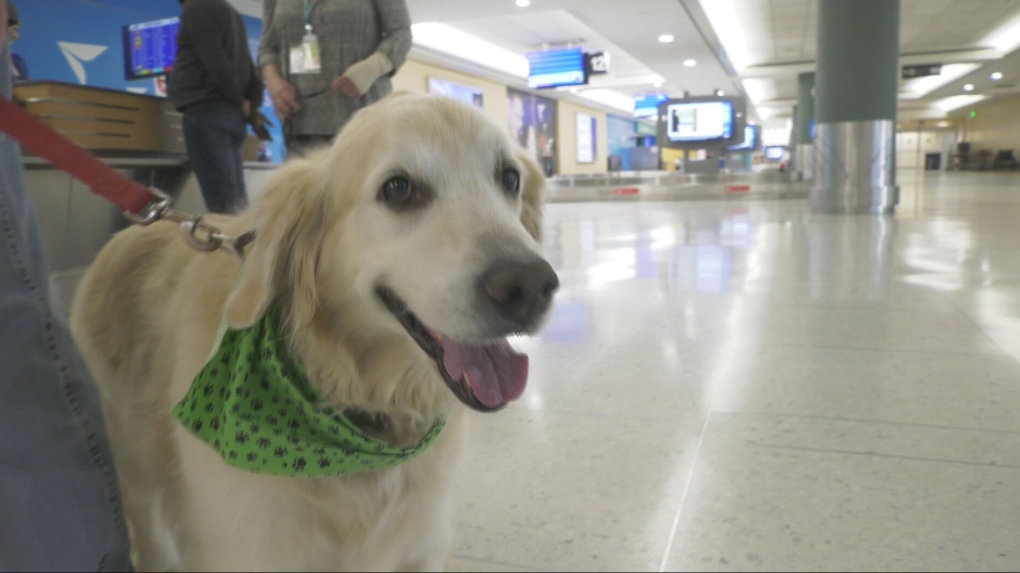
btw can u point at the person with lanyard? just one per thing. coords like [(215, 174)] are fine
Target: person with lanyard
[(60, 506), (322, 60)]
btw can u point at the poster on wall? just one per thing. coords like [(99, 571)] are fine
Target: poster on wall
[(533, 127), (586, 138), (466, 94)]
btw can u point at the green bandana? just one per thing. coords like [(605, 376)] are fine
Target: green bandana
[(254, 405)]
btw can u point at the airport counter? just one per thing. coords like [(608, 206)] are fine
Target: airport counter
[(673, 186), (140, 136)]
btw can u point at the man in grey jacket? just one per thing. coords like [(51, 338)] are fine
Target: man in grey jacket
[(214, 82)]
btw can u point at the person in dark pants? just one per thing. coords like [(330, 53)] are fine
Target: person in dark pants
[(60, 507), (214, 83)]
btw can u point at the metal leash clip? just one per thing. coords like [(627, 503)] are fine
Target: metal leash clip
[(198, 234)]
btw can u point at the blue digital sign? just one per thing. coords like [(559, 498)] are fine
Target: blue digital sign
[(150, 48), (750, 142), (648, 105), (554, 68)]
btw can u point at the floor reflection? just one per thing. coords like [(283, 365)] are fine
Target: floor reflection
[(749, 381)]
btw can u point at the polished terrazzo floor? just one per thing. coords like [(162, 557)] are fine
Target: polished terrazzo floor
[(743, 385)]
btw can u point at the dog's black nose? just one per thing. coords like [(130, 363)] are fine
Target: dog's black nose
[(521, 290)]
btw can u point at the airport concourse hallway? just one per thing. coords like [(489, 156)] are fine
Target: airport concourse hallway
[(742, 385)]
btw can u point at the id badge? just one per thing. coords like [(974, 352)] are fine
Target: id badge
[(305, 59), (310, 53)]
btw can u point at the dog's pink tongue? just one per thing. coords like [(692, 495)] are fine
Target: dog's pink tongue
[(496, 373)]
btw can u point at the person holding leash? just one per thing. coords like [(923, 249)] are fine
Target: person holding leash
[(60, 507)]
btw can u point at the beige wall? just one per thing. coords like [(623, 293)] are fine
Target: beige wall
[(997, 125), (566, 146), (414, 76)]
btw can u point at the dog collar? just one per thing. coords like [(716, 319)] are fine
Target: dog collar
[(254, 405)]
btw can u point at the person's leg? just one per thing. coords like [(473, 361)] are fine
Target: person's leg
[(60, 507), (240, 199), (209, 136)]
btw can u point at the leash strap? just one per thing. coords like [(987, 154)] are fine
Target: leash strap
[(142, 205), (62, 152)]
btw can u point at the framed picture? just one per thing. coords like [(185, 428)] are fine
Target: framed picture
[(467, 94), (533, 125), (586, 138)]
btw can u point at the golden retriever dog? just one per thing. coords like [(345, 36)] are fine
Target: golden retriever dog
[(400, 258)]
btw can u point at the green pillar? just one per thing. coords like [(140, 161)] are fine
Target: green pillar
[(793, 132), (804, 117), (857, 77), (805, 107)]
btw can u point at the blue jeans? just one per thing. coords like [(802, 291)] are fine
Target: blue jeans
[(213, 137), (59, 503)]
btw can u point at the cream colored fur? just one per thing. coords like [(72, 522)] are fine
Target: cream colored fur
[(146, 315)]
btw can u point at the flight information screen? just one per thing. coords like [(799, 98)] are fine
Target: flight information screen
[(150, 48), (554, 68)]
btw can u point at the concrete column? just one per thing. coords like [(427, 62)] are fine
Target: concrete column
[(801, 144), (857, 75)]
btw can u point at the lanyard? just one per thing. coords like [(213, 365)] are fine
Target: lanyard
[(308, 13)]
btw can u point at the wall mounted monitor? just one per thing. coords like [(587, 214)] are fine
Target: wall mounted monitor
[(701, 123), (648, 105), (750, 142), (150, 48), (555, 68), (775, 153)]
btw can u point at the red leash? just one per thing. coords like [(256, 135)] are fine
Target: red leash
[(142, 205), (35, 135)]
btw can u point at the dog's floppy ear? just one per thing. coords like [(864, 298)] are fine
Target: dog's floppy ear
[(289, 215), (532, 193)]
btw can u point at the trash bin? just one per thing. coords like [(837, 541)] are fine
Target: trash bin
[(932, 161)]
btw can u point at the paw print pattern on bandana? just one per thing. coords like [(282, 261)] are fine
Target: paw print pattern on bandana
[(253, 404)]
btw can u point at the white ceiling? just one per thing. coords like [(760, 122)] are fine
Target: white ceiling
[(780, 38), (778, 35), (627, 30)]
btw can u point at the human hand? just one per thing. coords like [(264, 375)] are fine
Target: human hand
[(344, 85), (260, 124), (358, 79), (284, 97)]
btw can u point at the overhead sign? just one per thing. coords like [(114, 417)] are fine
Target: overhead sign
[(597, 63), (919, 71)]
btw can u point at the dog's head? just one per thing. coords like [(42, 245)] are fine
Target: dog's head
[(421, 222)]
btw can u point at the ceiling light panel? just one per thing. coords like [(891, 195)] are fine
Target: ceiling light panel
[(446, 39), (723, 16)]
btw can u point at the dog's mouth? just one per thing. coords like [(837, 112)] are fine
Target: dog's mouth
[(484, 377)]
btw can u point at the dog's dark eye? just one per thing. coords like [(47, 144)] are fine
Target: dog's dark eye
[(398, 190), (400, 193), (511, 181)]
